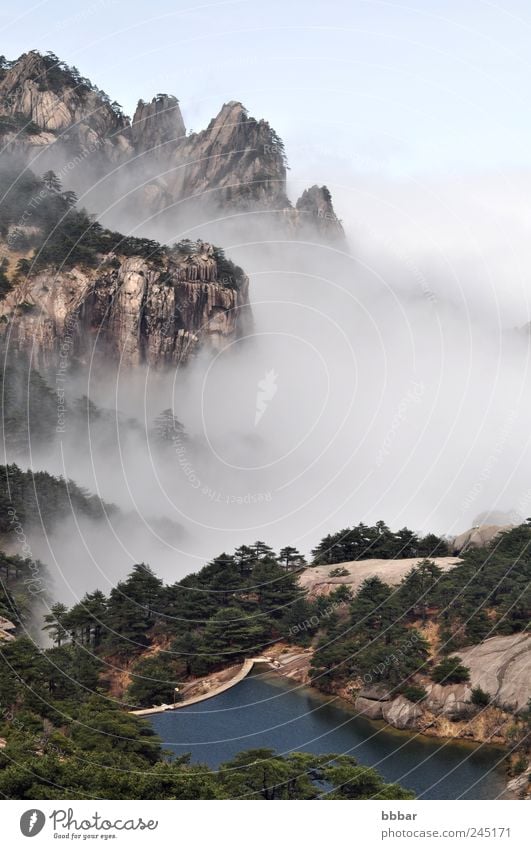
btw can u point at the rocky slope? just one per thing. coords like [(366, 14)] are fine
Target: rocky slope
[(322, 580), (153, 179), (237, 160), (499, 666), (65, 109), (57, 119), (131, 309)]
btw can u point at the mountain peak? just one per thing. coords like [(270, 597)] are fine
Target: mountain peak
[(55, 96), (316, 209), (157, 124), (47, 109)]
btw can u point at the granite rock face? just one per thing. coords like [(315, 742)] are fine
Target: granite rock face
[(370, 708), (237, 160), (500, 666), (314, 209), (401, 713), (66, 109), (150, 173), (158, 126), (451, 700), (130, 310), (477, 537), (318, 581)]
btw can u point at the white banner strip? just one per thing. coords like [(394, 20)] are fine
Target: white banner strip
[(263, 825)]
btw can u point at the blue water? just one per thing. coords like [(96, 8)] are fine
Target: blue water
[(267, 711)]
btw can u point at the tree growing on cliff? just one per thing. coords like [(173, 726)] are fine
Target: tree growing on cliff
[(55, 623), (363, 541), (244, 557), (275, 588), (52, 182), (417, 590)]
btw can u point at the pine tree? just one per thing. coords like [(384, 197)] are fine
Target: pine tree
[(275, 588), (52, 182), (5, 283), (55, 623), (168, 430), (291, 558)]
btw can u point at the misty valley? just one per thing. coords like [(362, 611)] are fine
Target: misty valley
[(264, 490)]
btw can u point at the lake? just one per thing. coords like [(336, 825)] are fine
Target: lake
[(265, 710)]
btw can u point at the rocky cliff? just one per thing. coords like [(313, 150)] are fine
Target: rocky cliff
[(65, 110), (158, 126), (57, 119), (144, 170), (237, 160), (129, 309), (498, 666)]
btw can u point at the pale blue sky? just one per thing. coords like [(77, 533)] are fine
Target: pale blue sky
[(429, 86)]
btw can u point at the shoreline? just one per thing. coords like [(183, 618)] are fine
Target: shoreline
[(292, 671), (266, 705), (380, 725), (293, 661), (242, 673)]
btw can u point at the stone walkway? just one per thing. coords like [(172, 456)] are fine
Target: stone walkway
[(240, 675)]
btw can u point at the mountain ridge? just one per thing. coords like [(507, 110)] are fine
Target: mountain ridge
[(236, 162)]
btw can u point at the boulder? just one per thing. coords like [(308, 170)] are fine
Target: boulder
[(401, 713), (368, 707), (375, 691), (452, 700), (477, 537), (520, 784)]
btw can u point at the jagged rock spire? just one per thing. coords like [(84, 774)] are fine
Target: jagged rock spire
[(158, 126), (316, 210), (236, 163)]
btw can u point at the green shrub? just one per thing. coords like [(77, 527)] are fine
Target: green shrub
[(519, 766), (450, 671), (480, 697), (414, 692)]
